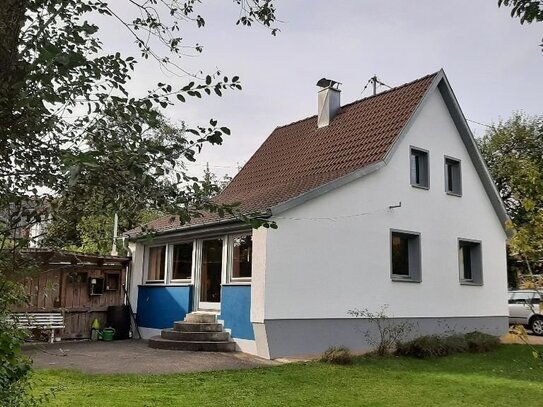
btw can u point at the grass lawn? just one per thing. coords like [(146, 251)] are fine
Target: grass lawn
[(509, 376)]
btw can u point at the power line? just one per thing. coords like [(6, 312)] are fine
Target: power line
[(335, 218), (479, 123)]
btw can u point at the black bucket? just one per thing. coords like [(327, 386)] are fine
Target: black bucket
[(118, 317)]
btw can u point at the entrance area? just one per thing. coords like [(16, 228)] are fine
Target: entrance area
[(211, 274)]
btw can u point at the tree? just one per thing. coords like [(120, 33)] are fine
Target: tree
[(64, 102), (513, 151), (528, 11)]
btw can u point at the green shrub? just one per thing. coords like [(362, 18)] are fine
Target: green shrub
[(430, 346), (479, 342), (424, 347), (456, 343), (337, 355)]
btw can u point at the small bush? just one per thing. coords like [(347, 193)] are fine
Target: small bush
[(430, 346), (424, 347), (337, 355), (389, 330), (479, 342), (456, 343)]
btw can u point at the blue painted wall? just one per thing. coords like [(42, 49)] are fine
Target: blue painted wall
[(159, 307), (236, 310)]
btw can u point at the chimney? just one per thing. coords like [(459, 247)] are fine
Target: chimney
[(328, 101)]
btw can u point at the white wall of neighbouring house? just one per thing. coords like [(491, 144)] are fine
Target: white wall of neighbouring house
[(320, 268)]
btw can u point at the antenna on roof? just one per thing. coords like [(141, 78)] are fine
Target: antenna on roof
[(374, 80)]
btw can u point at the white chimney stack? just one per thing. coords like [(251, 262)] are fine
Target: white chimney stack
[(328, 101)]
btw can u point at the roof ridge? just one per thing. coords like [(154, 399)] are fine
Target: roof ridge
[(366, 98)]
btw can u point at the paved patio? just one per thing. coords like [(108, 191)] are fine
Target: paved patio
[(133, 356)]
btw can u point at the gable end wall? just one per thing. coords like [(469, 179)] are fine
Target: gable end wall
[(319, 268)]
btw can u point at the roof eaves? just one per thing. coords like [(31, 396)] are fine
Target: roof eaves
[(180, 230), (469, 141)]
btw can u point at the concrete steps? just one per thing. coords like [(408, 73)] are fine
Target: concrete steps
[(195, 346), (174, 335), (199, 331)]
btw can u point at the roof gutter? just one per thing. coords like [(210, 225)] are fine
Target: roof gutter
[(203, 229)]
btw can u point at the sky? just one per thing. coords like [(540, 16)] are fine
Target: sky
[(494, 63)]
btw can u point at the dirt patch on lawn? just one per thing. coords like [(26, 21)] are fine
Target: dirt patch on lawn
[(134, 356), (532, 339)]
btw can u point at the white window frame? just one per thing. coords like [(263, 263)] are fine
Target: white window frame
[(146, 265), (169, 263), (230, 260)]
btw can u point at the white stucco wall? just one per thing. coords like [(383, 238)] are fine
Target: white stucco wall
[(136, 273), (258, 280), (318, 268)]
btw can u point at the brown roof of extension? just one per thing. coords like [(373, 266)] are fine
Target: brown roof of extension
[(299, 157)]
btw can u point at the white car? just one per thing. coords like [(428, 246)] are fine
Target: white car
[(525, 309)]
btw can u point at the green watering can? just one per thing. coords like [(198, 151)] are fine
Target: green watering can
[(106, 334)]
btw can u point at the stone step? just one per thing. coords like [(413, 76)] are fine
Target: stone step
[(195, 336), (201, 318), (183, 326), (157, 342)]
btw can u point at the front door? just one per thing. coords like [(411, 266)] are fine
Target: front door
[(211, 274)]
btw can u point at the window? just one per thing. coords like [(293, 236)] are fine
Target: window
[(453, 176), (96, 286), (526, 297), (470, 262), (182, 261), (242, 254), (113, 281), (156, 264), (419, 169), (405, 256)]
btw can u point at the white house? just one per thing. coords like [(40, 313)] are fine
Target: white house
[(385, 200)]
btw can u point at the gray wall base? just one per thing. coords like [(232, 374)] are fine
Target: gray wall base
[(313, 336)]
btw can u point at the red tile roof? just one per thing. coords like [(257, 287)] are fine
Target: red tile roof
[(299, 157)]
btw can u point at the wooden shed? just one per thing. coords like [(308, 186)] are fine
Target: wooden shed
[(81, 286)]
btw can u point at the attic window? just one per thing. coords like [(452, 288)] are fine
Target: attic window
[(419, 168), (453, 177)]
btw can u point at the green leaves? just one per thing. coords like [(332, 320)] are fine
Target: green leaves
[(513, 151)]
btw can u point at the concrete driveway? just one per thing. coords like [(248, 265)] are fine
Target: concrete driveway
[(133, 356)]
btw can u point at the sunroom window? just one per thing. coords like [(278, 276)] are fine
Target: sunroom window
[(182, 261), (242, 254), (156, 264)]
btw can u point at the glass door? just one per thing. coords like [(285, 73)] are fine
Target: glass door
[(211, 274)]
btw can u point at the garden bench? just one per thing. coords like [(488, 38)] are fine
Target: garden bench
[(40, 320)]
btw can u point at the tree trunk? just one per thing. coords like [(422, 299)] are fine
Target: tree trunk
[(12, 17)]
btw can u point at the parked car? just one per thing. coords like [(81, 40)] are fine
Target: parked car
[(525, 309)]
